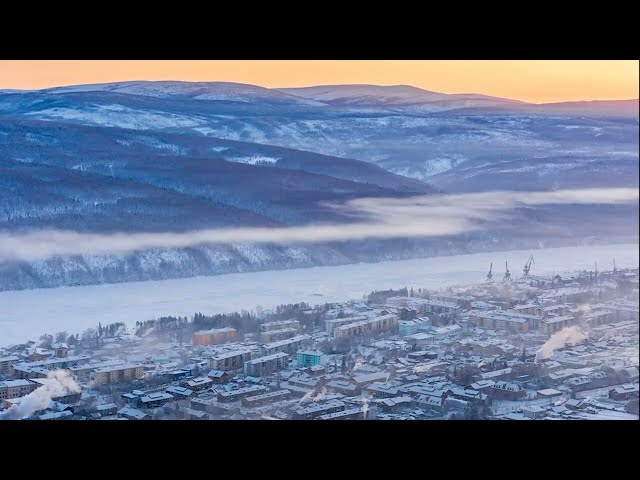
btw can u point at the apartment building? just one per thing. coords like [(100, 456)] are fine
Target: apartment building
[(373, 325), (267, 365), (232, 360), (289, 345), (24, 370), (280, 325), (117, 373), (275, 335), (6, 364), (505, 321), (315, 410), (214, 336), (82, 372), (308, 358), (411, 327), (241, 393), (551, 325), (333, 323), (16, 388), (266, 398)]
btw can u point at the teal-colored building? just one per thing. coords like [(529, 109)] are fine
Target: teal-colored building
[(308, 358), (411, 327), (408, 327)]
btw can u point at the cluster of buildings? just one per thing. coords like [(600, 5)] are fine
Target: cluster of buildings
[(488, 351)]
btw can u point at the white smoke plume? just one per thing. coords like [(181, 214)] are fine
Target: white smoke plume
[(365, 407), (306, 396), (309, 396), (59, 383), (483, 363), (358, 363), (321, 395), (566, 336), (421, 216), (584, 308)]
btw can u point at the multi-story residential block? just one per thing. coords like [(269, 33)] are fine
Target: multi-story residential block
[(506, 321), (624, 310), (350, 414), (267, 365), (241, 393), (7, 363), (308, 358), (16, 388), (527, 309), (373, 325), (442, 308), (411, 327), (265, 398), (23, 370), (333, 323), (214, 336), (82, 372), (117, 373), (551, 325), (289, 345), (283, 324), (275, 335), (315, 410), (231, 360)]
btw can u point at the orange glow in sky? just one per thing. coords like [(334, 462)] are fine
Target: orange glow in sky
[(529, 80)]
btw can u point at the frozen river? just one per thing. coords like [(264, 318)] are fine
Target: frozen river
[(30, 313)]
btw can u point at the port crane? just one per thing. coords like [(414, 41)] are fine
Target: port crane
[(614, 266), (490, 275), (527, 266), (507, 274)]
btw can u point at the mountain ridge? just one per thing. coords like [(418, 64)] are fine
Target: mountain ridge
[(132, 86), (172, 158)]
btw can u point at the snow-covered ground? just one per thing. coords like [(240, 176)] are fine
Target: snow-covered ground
[(253, 159), (30, 313)]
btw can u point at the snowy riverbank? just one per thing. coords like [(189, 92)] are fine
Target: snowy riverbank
[(30, 313)]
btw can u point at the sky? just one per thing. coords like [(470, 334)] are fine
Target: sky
[(536, 81)]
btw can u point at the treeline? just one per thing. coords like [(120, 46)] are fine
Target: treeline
[(292, 310), (162, 324), (92, 337), (380, 296), (180, 328), (244, 321), (111, 330), (296, 311)]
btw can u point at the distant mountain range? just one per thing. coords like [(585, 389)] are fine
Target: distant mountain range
[(401, 96), (175, 156)]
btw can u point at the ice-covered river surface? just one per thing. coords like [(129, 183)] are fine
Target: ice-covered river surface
[(28, 314)]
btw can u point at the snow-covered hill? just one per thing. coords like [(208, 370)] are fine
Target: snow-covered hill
[(366, 94), (393, 96), (443, 139), (174, 156), (220, 91)]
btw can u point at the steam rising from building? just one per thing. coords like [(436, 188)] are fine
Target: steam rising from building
[(59, 383), (566, 336)]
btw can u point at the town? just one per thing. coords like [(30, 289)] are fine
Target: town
[(561, 347)]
